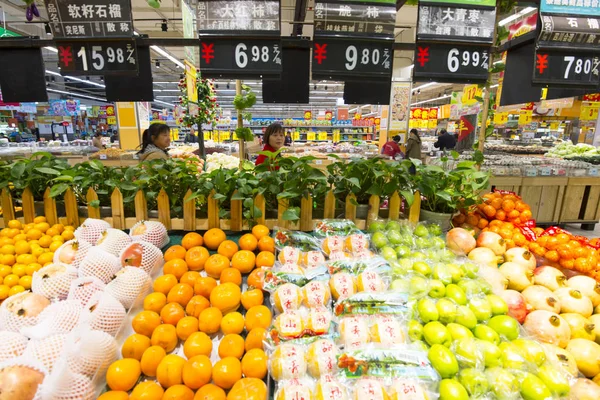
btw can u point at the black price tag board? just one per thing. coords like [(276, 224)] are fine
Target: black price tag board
[(469, 24), (334, 58), (567, 69), (355, 19), (215, 16), (98, 57), (90, 18), (580, 32), (451, 63), (241, 57)]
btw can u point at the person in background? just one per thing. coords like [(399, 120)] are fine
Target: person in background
[(391, 148), (288, 139), (413, 148), (114, 137), (155, 143), (445, 141), (97, 141), (274, 140)]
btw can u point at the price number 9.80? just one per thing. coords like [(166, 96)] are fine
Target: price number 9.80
[(366, 56), (466, 58), (256, 54)]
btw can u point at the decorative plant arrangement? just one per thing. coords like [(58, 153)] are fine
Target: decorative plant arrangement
[(242, 102)]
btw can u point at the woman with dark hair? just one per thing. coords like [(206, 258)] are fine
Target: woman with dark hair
[(155, 142), (273, 140), (97, 141)]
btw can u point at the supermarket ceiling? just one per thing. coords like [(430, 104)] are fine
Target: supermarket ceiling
[(166, 22)]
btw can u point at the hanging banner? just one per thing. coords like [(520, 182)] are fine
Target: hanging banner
[(444, 22), (466, 132), (522, 27), (578, 7), (400, 103), (589, 111), (451, 62), (238, 15), (355, 18), (582, 32), (65, 108), (187, 16)]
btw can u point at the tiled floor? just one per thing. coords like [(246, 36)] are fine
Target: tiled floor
[(576, 230)]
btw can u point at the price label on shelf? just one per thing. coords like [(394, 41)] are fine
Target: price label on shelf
[(102, 156), (97, 58), (573, 69), (457, 63), (240, 57), (310, 136), (322, 135)]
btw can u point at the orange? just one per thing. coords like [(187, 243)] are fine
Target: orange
[(501, 215), (519, 239), (39, 220), (254, 364), (18, 270), (489, 211), (210, 392), (232, 323), (151, 358), (513, 215), (148, 390), (258, 317), (33, 234), (552, 255), (472, 219), (181, 293), (228, 248), (175, 252), (256, 278), (178, 392), (482, 223), (26, 259), (59, 227), (265, 259), (175, 267), (169, 370), (204, 286), (134, 346), (5, 270), (582, 264), (563, 238), (552, 243), (192, 239), (186, 326), (189, 278), (67, 235), (45, 241), (25, 281), (508, 205), (231, 275), (52, 232), (15, 224), (172, 313), (42, 226), (565, 251), (197, 372), (123, 374), (155, 302), (196, 305), (16, 289), (8, 259), (165, 336), (11, 280), (260, 231), (196, 258), (255, 338), (197, 344), (231, 345), (248, 242), (505, 233), (22, 247), (45, 258), (248, 389), (526, 216), (226, 297), (164, 283), (215, 264), (226, 372), (251, 298), (496, 203), (213, 238), (569, 264), (145, 322), (210, 320), (114, 395), (244, 260)]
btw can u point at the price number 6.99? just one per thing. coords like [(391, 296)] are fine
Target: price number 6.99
[(367, 56), (257, 54), (466, 58)]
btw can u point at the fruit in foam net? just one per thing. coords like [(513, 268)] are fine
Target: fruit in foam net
[(19, 382), (27, 305)]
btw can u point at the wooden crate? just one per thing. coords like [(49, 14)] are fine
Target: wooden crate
[(510, 183), (545, 197), (581, 201)]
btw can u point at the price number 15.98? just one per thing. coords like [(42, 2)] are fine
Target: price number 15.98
[(465, 58)]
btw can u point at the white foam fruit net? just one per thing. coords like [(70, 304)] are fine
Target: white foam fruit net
[(113, 241), (82, 289), (129, 283), (91, 230), (47, 350), (12, 345), (30, 383), (54, 281), (106, 313), (21, 310), (90, 352), (59, 317), (150, 231), (72, 252), (64, 384), (143, 255), (100, 264)]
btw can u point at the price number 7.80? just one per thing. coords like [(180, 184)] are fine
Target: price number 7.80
[(579, 66), (466, 58), (367, 56)]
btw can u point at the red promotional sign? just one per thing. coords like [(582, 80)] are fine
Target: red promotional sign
[(591, 97), (328, 115), (522, 27), (465, 128), (307, 115)]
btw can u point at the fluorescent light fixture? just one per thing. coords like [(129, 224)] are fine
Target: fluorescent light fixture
[(497, 62), (411, 66), (430, 100), (76, 79), (164, 97), (52, 49), (425, 85), (167, 55), (77, 95), (494, 86), (163, 102), (521, 13)]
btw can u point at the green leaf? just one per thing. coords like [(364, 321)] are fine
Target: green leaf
[(238, 196), (291, 214), (354, 181), (59, 189), (63, 178), (47, 171), (17, 170), (95, 203), (409, 196), (219, 196), (128, 186)]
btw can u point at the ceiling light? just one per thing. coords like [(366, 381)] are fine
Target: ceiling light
[(77, 79), (157, 64), (167, 55), (77, 95), (494, 86), (47, 28), (163, 102), (164, 27), (52, 49), (521, 13), (424, 86), (430, 100)]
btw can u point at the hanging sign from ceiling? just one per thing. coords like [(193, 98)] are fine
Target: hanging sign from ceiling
[(489, 3), (576, 7), (574, 31), (566, 68), (90, 18), (355, 18), (451, 62), (238, 15), (447, 22), (98, 57)]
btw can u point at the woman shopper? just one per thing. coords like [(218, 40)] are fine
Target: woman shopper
[(274, 139), (155, 143), (413, 148)]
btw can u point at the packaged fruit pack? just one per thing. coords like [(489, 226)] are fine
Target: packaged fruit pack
[(348, 277), (300, 240), (335, 227), (304, 322)]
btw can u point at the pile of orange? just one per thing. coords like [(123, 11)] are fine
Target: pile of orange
[(505, 207), (187, 310), (512, 234), (568, 252), (24, 249)]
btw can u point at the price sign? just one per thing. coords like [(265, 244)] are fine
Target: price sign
[(322, 135), (97, 58), (310, 135), (452, 63), (351, 58), (572, 69), (240, 57), (469, 94)]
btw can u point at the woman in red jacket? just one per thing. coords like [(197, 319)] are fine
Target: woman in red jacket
[(274, 139)]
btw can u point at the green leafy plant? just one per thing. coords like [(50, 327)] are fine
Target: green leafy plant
[(243, 102), (208, 107)]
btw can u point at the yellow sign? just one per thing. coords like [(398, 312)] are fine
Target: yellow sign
[(336, 136), (589, 111), (432, 124), (111, 120), (525, 117), (296, 135), (226, 135), (310, 136), (126, 111), (500, 118), (206, 135), (235, 136), (190, 80), (322, 135), (469, 94), (174, 134), (554, 126), (424, 124)]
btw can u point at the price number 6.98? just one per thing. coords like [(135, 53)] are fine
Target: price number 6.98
[(367, 56), (466, 58), (257, 53)]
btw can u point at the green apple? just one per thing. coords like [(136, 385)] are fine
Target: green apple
[(376, 226), (502, 383), (469, 269), (436, 333), (418, 286), (458, 331), (388, 253), (447, 310), (481, 308), (485, 287), (435, 230), (467, 352), (394, 237), (379, 240), (437, 289), (443, 360), (499, 306), (486, 333), (491, 353), (421, 231), (393, 226), (450, 389), (533, 388), (457, 294), (511, 357), (531, 350), (427, 310), (438, 243), (442, 273), (465, 317), (554, 380), (456, 273), (419, 345), (400, 285), (422, 268), (505, 325), (422, 243), (474, 381), (402, 251), (415, 330), (471, 287), (418, 255)]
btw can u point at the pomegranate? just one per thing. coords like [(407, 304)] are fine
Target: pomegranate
[(572, 301), (517, 306), (521, 256), (27, 305), (581, 327), (494, 277), (541, 298), (484, 256), (584, 389), (54, 281), (519, 276), (587, 286), (549, 277), (548, 327), (19, 382), (131, 256), (563, 357), (587, 356), (595, 320), (492, 241), (68, 252), (460, 241)]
